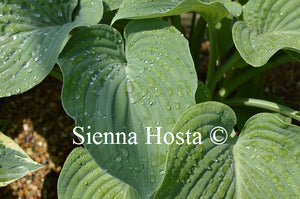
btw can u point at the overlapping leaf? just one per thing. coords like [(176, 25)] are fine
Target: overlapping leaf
[(268, 159), (267, 27), (106, 90), (14, 162), (32, 34), (212, 10), (205, 170), (263, 161), (81, 177)]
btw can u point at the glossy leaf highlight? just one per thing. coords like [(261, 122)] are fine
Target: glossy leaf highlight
[(212, 10), (111, 89), (205, 170), (267, 27), (14, 162), (81, 177), (263, 160), (32, 34)]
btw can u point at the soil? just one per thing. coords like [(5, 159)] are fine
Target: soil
[(38, 123)]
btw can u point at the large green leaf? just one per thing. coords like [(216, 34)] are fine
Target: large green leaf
[(108, 91), (195, 171), (81, 177), (267, 159), (212, 10), (267, 27), (14, 162), (263, 161), (32, 34)]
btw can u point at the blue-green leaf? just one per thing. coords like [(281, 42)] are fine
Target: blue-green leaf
[(212, 10), (267, 27), (107, 88), (32, 33), (203, 170), (81, 177), (263, 161)]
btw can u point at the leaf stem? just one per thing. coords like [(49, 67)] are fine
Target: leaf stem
[(212, 54), (196, 38), (238, 81), (176, 21), (235, 61), (265, 105)]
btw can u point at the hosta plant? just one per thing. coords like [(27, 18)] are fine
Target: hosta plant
[(153, 125)]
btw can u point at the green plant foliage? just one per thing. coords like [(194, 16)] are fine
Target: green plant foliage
[(14, 162), (112, 89), (267, 158), (202, 94), (110, 5), (263, 160), (212, 10), (32, 34), (119, 81), (81, 177), (267, 27), (195, 171)]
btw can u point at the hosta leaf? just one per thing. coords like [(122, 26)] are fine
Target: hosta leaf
[(109, 90), (14, 162), (212, 10), (267, 27), (267, 158), (32, 34), (81, 177), (197, 171), (263, 160)]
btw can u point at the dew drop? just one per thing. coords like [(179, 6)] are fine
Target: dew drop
[(26, 65), (177, 105), (132, 100), (162, 172), (36, 15), (12, 77), (118, 159), (275, 179), (152, 179), (59, 14), (130, 87)]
